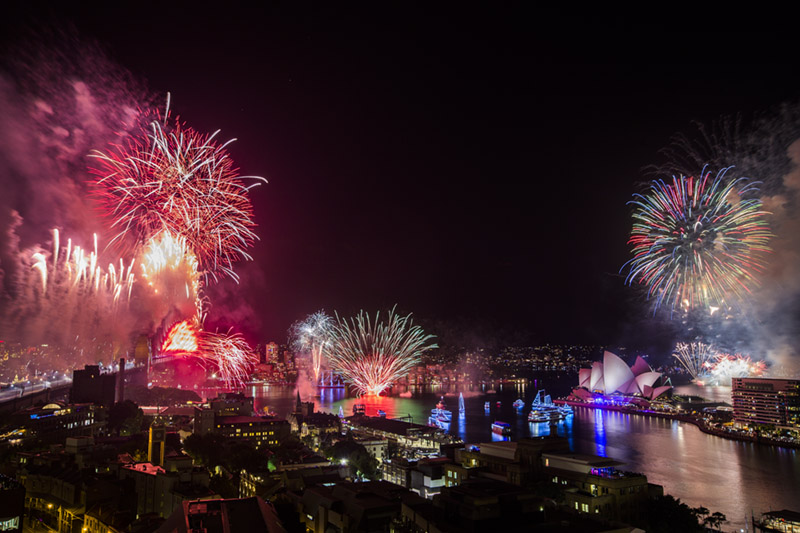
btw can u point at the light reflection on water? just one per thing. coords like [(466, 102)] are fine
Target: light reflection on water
[(723, 475)]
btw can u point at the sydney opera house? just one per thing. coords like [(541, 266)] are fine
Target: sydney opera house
[(613, 378)]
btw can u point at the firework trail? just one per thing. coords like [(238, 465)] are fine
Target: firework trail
[(310, 337), (724, 367), (80, 275), (694, 357), (698, 242), (373, 355), (183, 183)]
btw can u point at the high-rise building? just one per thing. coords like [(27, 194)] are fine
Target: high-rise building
[(766, 401), (272, 352)]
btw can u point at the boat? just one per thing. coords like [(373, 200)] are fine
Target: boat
[(359, 409), (501, 428), (341, 412), (382, 413), (544, 410), (438, 422), (441, 412), (540, 416), (487, 405), (518, 404), (461, 408), (499, 405)]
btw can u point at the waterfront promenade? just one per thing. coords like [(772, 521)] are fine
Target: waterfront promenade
[(698, 421)]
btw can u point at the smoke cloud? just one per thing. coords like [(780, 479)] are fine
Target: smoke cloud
[(60, 97)]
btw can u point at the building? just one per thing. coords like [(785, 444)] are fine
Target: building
[(271, 353), (428, 477), (481, 504), (56, 421), (252, 515), (370, 506), (232, 404), (90, 386), (12, 505), (784, 521), (592, 484), (377, 447), (422, 439), (163, 489), (204, 420), (259, 430), (54, 495), (398, 471), (613, 376), (515, 462), (156, 445), (766, 401)]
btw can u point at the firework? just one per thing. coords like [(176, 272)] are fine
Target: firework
[(310, 337), (724, 367), (694, 356), (181, 182), (373, 355), (180, 339), (231, 355), (176, 194), (228, 353), (79, 272), (171, 269), (698, 242)]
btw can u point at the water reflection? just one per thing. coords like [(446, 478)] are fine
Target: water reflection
[(600, 432)]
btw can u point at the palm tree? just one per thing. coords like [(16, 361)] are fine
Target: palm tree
[(718, 519), (700, 513)]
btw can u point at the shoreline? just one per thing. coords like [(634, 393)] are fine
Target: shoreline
[(755, 439)]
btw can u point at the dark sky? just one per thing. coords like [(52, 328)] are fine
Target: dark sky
[(471, 167)]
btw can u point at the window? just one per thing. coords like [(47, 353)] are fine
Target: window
[(585, 507)]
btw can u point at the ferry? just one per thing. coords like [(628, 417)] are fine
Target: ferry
[(441, 412), (501, 428), (544, 410), (359, 409)]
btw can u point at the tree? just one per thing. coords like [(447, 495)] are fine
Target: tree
[(666, 514), (205, 449), (715, 520), (364, 465), (125, 418)]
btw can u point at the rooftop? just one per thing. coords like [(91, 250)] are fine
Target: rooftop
[(147, 468), (580, 459), (388, 425), (248, 419)]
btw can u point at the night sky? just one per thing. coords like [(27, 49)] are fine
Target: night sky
[(471, 167)]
